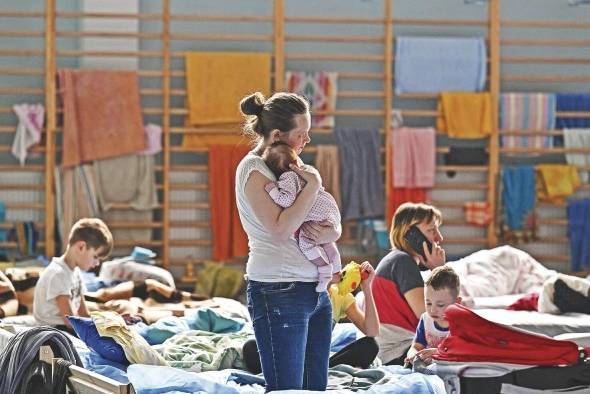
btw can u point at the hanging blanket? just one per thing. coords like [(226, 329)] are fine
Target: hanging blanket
[(320, 89), (527, 111)]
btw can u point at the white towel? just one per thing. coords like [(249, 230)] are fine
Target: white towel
[(577, 138), (28, 130)]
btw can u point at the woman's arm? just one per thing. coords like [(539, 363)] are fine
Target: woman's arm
[(322, 232), (277, 221), (367, 321), (415, 298)]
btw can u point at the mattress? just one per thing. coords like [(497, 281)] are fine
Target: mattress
[(541, 323)]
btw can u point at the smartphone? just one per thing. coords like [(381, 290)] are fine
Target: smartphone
[(416, 239)]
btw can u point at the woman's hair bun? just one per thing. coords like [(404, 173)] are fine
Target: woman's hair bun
[(253, 104)]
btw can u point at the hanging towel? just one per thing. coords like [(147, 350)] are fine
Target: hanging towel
[(578, 214), (556, 182), (527, 111), (129, 180), (102, 115), (75, 197), (465, 115), (477, 213), (29, 129), (217, 81), (518, 196), (320, 88), (437, 64), (229, 238), (578, 138), (361, 181), (414, 157), (571, 102), (327, 163), (465, 156), (153, 139)]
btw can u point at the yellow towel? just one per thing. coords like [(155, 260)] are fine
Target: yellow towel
[(465, 115), (217, 81), (137, 350), (556, 182)]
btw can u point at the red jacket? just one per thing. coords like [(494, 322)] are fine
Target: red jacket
[(473, 338)]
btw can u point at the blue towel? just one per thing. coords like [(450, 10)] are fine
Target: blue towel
[(578, 215), (518, 194), (571, 102), (434, 64)]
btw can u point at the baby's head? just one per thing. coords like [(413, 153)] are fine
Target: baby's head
[(278, 156), (441, 289)]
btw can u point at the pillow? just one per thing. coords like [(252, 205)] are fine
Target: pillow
[(124, 269), (105, 346)]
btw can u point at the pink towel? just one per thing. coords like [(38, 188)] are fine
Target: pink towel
[(414, 157)]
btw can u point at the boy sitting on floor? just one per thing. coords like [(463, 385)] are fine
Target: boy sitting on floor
[(440, 290), (60, 289)]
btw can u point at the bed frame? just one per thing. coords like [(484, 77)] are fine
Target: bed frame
[(83, 381)]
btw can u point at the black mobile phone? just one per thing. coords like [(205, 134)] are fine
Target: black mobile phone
[(416, 239)]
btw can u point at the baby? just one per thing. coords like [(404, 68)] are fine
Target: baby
[(278, 157)]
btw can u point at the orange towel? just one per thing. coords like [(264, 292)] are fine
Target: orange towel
[(229, 238), (465, 115), (217, 81), (102, 115), (556, 182)]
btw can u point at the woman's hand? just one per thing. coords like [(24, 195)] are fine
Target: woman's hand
[(309, 174), (321, 232), (436, 258), (368, 268)]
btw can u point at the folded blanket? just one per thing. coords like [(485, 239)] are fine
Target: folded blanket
[(436, 64), (465, 115), (217, 81)]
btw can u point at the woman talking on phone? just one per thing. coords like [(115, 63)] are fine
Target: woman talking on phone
[(398, 287)]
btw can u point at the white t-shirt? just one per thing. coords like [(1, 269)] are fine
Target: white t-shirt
[(57, 279), (270, 259)]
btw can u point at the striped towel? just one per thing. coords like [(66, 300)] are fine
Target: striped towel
[(320, 89), (527, 111)]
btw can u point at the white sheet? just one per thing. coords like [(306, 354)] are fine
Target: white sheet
[(542, 323)]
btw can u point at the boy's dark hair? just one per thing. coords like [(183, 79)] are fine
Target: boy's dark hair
[(444, 278), (95, 233), (278, 156)]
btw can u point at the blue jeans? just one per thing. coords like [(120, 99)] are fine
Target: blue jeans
[(293, 327)]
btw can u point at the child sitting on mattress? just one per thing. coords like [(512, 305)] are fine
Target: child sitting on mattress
[(60, 289), (440, 290), (278, 157)]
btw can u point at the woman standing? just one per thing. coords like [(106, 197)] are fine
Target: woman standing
[(292, 322)]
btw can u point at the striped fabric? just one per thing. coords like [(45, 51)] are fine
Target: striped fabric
[(320, 89), (520, 112)]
